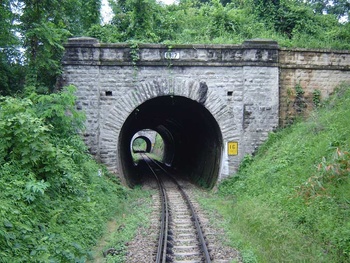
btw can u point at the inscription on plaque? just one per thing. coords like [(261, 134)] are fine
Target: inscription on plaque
[(171, 55)]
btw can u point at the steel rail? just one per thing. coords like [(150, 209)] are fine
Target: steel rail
[(200, 234), (163, 235)]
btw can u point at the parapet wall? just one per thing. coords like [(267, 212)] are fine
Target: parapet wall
[(85, 51)]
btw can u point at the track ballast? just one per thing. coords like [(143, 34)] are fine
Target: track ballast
[(181, 239)]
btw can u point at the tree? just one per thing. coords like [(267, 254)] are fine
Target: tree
[(223, 2), (45, 25), (80, 15), (32, 36), (131, 24), (340, 8), (8, 53)]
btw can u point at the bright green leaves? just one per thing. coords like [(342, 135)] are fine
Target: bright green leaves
[(35, 188), (32, 34), (43, 43), (58, 111), (38, 134), (54, 198), (130, 24), (291, 23), (22, 133), (330, 174)]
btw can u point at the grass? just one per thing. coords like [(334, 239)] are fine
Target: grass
[(133, 214), (291, 202)]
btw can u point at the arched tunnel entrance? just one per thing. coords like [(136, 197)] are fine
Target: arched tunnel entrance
[(192, 138), (141, 144)]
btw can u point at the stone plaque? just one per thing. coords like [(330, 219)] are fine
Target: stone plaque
[(172, 55)]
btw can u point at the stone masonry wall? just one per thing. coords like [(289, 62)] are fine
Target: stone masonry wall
[(311, 70), (251, 87)]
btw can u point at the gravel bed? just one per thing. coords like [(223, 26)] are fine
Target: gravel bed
[(216, 237), (143, 248)]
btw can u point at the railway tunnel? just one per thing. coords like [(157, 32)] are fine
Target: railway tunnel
[(192, 138)]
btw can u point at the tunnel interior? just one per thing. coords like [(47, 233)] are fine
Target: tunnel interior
[(191, 136)]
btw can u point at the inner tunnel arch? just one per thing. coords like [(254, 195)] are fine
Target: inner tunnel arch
[(145, 139), (192, 138)]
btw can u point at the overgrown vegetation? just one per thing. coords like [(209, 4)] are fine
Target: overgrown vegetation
[(54, 199), (158, 148), (291, 202), (139, 145), (312, 24)]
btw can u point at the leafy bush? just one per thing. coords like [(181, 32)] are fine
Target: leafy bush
[(54, 199)]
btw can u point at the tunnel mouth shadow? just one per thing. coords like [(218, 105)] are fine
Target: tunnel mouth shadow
[(191, 136)]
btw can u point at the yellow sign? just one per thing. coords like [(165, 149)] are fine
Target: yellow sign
[(232, 148)]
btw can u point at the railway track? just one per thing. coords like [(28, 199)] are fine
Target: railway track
[(180, 238)]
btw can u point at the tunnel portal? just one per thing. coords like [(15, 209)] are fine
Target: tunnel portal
[(192, 138), (211, 104), (246, 93), (136, 148)]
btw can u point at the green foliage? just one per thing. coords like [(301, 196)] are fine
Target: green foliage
[(158, 148), (292, 200), (247, 160), (10, 70), (44, 49), (299, 103), (299, 90), (32, 34), (329, 173), (134, 52), (339, 7), (44, 31), (139, 144), (39, 133), (105, 33), (316, 98), (291, 23), (34, 188), (131, 25), (54, 198), (134, 214), (23, 134)]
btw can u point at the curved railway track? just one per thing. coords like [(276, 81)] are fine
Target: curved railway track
[(180, 239)]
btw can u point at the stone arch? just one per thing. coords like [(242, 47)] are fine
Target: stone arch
[(113, 118), (146, 140)]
